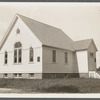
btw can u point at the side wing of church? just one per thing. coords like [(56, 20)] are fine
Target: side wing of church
[(34, 50)]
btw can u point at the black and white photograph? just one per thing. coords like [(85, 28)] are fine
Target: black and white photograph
[(48, 48)]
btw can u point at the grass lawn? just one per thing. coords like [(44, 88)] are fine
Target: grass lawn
[(70, 85)]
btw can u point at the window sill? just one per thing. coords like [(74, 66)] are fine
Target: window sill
[(5, 64), (17, 77), (17, 63), (5, 77), (31, 62)]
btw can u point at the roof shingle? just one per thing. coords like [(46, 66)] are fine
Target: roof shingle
[(82, 44), (48, 35)]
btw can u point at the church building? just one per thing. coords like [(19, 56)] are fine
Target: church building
[(33, 50)]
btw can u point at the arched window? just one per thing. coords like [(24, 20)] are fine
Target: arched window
[(17, 52), (5, 58), (31, 55), (18, 30)]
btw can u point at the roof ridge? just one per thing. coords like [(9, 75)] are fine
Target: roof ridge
[(84, 40)]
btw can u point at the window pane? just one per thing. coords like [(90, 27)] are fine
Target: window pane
[(5, 75), (31, 74), (94, 59), (54, 56), (17, 45), (31, 54), (15, 60), (31, 59), (91, 54), (19, 55), (20, 52), (5, 54), (15, 75), (18, 31), (38, 59), (19, 60), (15, 56), (15, 53), (5, 61), (66, 57), (20, 75)]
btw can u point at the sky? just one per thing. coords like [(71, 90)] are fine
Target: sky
[(78, 20)]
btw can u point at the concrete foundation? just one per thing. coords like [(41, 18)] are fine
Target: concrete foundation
[(46, 75), (84, 75)]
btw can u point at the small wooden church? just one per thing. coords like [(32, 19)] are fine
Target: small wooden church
[(34, 50)]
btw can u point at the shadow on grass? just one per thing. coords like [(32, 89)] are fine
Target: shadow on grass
[(62, 89)]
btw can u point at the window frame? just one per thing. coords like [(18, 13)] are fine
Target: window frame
[(17, 31), (18, 56), (5, 58), (17, 75), (66, 57), (38, 59), (54, 56), (31, 48), (4, 75), (31, 76)]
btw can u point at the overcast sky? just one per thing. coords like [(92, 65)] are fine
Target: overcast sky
[(78, 20)]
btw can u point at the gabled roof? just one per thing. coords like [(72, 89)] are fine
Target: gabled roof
[(47, 34), (83, 44)]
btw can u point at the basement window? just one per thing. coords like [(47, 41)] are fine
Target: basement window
[(5, 75), (20, 75), (17, 75), (31, 75)]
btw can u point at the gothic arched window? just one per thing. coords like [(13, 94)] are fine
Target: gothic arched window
[(18, 30), (17, 52)]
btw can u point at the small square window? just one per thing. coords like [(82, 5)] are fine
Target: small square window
[(5, 75), (15, 75), (20, 75), (38, 59), (94, 59)]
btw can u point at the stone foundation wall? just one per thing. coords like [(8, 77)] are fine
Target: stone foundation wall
[(60, 75), (47, 75), (24, 76)]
